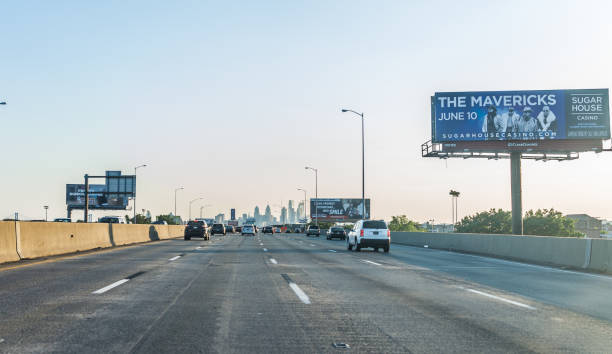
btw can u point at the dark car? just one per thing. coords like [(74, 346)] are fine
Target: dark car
[(267, 230), (230, 229), (238, 229), (217, 229), (336, 232), (313, 230), (196, 229)]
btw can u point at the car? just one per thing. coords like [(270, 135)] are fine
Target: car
[(297, 230), (196, 229), (313, 230), (277, 229), (267, 230), (369, 233), (217, 229), (112, 220), (248, 230), (336, 231), (62, 220), (239, 229), (230, 229), (159, 222)]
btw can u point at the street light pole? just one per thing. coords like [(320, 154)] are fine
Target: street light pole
[(305, 214), (136, 168), (363, 208), (316, 193), (176, 190), (191, 202), (46, 208)]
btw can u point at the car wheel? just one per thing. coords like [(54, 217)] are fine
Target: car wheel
[(187, 238), (387, 249), (348, 245), (357, 246)]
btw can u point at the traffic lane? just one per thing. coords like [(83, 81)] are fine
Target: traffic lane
[(46, 315), (248, 307), (585, 293), (80, 273), (460, 309)]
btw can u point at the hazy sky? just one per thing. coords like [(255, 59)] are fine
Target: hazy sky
[(232, 99)]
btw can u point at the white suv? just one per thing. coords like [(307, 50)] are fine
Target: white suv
[(369, 233)]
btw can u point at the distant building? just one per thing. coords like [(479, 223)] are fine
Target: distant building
[(300, 211), (220, 218), (268, 215), (256, 215), (291, 213), (283, 216), (586, 224)]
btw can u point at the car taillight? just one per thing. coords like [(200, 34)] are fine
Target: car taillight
[(388, 233), (361, 234)]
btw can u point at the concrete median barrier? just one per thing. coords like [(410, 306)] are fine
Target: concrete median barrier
[(176, 231), (8, 242), (558, 251), (41, 239), (601, 256), (27, 240), (125, 234)]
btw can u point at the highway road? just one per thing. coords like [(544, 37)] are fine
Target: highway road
[(288, 294)]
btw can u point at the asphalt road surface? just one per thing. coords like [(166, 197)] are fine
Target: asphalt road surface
[(291, 294)]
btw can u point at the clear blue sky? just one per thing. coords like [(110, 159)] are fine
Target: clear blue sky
[(232, 99)]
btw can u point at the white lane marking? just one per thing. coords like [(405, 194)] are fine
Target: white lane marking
[(199, 248), (515, 303), (273, 261), (312, 245), (261, 244), (265, 250), (108, 287), (174, 258), (332, 251), (300, 294), (365, 260)]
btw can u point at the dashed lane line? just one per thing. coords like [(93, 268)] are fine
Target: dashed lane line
[(365, 260), (499, 298), (108, 287)]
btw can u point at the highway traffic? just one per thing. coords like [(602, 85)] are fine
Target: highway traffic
[(281, 293)]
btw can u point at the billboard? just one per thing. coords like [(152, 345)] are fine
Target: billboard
[(520, 115), (338, 209), (232, 214), (99, 197)]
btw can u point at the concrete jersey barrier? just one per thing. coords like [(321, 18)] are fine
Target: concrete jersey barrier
[(579, 253), (8, 242), (41, 239)]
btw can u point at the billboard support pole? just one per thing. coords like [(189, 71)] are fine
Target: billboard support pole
[(86, 208), (516, 191)]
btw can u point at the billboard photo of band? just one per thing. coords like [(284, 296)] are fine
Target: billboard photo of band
[(520, 115)]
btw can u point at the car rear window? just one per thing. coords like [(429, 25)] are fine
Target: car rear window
[(337, 229), (374, 224), (193, 223)]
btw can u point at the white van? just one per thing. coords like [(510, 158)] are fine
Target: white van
[(369, 233)]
